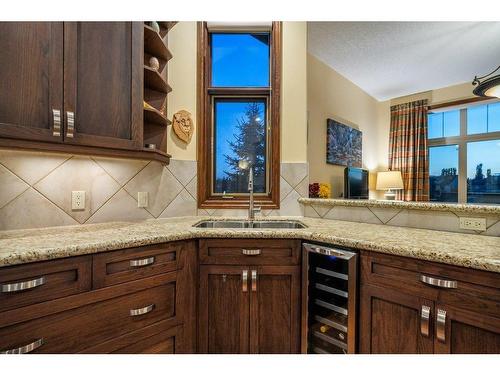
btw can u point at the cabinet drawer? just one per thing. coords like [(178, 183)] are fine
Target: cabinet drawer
[(37, 282), (250, 252), (462, 287), (74, 330), (135, 263)]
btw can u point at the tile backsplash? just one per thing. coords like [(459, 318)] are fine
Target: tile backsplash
[(35, 189)]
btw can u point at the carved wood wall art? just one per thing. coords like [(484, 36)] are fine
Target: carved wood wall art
[(183, 125)]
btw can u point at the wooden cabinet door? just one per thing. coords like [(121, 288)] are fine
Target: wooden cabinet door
[(223, 310), (463, 332), (391, 322), (275, 309), (103, 62), (31, 64)]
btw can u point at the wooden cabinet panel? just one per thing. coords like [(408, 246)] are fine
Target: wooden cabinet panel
[(224, 309), (467, 333), (103, 84), (120, 266), (269, 252), (55, 279), (73, 330), (275, 310), (390, 322), (31, 64)]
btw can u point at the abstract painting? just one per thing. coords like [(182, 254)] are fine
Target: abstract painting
[(343, 144)]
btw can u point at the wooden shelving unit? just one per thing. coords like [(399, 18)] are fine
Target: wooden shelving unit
[(156, 88)]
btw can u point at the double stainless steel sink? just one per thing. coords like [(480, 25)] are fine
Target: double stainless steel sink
[(246, 224)]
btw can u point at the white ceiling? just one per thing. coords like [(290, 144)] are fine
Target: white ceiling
[(392, 59)]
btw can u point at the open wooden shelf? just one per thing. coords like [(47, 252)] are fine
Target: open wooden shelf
[(167, 24), (154, 45), (154, 81), (153, 116)]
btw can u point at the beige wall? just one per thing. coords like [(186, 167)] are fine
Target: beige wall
[(441, 95), (330, 95), (182, 78)]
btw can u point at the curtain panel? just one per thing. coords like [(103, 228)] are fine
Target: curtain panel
[(408, 151)]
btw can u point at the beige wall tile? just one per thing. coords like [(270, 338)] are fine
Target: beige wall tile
[(121, 207), (78, 173), (285, 188), (31, 166), (294, 173), (358, 214), (183, 205), (161, 185), (446, 221), (290, 207), (384, 214), (32, 210), (122, 170), (192, 187), (11, 186), (183, 170)]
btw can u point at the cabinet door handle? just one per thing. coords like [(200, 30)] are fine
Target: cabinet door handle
[(23, 285), (56, 122), (447, 284), (142, 262), (142, 310), (251, 251), (26, 348), (441, 325), (254, 280), (70, 117), (425, 313), (244, 280)]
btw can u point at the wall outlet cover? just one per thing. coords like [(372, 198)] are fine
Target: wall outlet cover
[(142, 199), (473, 223), (78, 200)]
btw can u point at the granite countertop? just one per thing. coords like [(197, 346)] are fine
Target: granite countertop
[(489, 209), (468, 250)]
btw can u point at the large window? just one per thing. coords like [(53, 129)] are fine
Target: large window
[(464, 154), (238, 116)]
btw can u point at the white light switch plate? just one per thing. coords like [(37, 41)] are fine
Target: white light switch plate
[(142, 199), (78, 200), (473, 223)]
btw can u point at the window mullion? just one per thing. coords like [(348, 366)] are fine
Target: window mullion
[(462, 158)]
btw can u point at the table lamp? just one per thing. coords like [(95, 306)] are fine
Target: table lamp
[(389, 181)]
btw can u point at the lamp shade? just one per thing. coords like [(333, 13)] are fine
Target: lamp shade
[(389, 180)]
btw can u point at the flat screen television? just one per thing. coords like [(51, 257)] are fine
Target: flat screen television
[(355, 183)]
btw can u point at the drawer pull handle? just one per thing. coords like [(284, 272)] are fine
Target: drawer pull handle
[(441, 325), (447, 284), (56, 119), (23, 285), (425, 314), (26, 348), (142, 262), (142, 311), (251, 251), (244, 281), (254, 281)]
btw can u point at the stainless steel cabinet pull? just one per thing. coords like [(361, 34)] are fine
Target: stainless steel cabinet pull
[(250, 251), (142, 310), (441, 325), (23, 285), (244, 280), (448, 284), (26, 348), (56, 123), (254, 280), (142, 262), (425, 314), (70, 117)]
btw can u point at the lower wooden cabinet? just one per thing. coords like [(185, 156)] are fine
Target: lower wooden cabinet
[(249, 309), (413, 306)]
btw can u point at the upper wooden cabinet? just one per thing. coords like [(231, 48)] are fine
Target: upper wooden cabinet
[(102, 84), (76, 87), (31, 72)]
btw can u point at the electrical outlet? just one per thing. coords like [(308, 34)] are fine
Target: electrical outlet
[(142, 199), (473, 223), (78, 200)]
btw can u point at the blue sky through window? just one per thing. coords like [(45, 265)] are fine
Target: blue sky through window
[(240, 60)]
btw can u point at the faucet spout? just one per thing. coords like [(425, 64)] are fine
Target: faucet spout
[(251, 208)]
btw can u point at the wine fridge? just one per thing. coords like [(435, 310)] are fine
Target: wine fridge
[(329, 293)]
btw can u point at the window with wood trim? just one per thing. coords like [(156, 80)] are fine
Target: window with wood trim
[(238, 115)]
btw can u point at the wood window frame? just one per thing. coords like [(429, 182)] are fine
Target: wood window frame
[(206, 199)]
